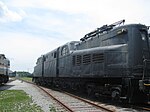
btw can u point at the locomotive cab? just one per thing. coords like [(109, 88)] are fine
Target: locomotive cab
[(144, 84), (63, 56), (139, 58)]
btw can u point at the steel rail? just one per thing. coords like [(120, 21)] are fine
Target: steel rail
[(65, 106), (81, 99), (89, 102), (145, 108), (76, 97)]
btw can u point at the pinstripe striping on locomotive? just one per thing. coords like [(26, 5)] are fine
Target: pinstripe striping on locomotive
[(113, 60)]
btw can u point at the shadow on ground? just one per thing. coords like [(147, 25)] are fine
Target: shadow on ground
[(5, 87)]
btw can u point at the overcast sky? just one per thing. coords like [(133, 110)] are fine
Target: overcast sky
[(30, 28)]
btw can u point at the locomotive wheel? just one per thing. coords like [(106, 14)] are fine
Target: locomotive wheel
[(90, 92), (115, 95)]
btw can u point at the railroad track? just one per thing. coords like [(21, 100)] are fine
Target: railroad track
[(66, 102), (73, 103), (145, 107)]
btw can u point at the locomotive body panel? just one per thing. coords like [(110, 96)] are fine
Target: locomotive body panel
[(38, 68), (100, 61), (112, 60), (50, 64)]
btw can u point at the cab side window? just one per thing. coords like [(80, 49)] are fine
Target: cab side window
[(64, 50)]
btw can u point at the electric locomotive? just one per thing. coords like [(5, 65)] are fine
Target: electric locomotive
[(4, 69), (113, 60)]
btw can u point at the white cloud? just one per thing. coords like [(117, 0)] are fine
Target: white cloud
[(23, 50), (24, 42), (99, 11), (8, 15)]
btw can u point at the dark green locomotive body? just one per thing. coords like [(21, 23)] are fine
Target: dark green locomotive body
[(110, 60)]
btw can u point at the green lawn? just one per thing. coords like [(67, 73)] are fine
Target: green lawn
[(26, 78), (17, 101)]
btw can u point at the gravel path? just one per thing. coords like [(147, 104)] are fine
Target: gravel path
[(38, 96)]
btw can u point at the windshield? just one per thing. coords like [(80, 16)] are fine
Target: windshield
[(144, 39), (145, 43)]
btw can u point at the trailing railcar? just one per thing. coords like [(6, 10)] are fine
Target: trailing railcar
[(4, 69), (113, 60)]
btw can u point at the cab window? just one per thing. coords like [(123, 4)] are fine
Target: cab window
[(64, 50)]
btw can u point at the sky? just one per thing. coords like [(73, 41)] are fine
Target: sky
[(30, 28)]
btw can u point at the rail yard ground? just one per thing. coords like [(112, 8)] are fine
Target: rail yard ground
[(16, 100), (29, 79), (19, 96)]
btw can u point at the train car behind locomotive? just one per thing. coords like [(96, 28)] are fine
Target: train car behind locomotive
[(113, 60), (4, 69)]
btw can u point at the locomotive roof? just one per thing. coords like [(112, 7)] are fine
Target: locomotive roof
[(101, 30), (111, 47), (107, 28), (61, 46), (2, 55)]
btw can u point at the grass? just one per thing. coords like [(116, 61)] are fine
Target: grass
[(17, 101), (52, 109), (26, 78)]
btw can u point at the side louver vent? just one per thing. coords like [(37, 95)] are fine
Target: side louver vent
[(98, 58), (86, 59)]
